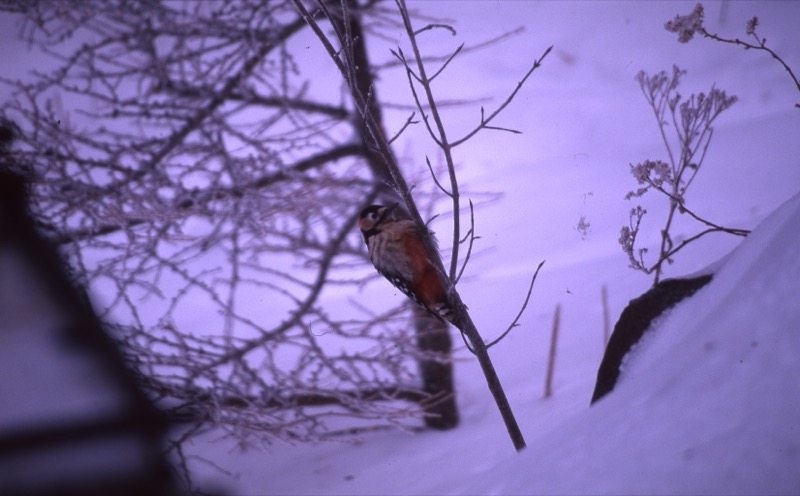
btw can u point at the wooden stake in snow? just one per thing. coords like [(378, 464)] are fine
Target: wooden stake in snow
[(551, 359)]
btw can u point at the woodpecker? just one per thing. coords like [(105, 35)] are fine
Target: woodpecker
[(396, 249)]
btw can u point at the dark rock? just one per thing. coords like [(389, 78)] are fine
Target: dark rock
[(635, 320)]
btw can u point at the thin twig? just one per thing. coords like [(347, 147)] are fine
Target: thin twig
[(420, 107), (408, 122), (684, 209), (514, 323), (471, 235), (467, 49), (484, 121), (761, 46), (447, 62), (435, 179), (436, 26)]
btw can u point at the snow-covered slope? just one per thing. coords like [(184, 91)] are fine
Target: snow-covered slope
[(708, 403)]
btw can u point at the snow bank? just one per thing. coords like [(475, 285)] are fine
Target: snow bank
[(709, 403)]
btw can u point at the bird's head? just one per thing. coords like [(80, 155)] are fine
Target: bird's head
[(373, 216)]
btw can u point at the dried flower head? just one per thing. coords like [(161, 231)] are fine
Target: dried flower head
[(686, 26), (652, 172), (626, 239), (752, 24)]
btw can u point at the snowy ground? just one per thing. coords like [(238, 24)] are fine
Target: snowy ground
[(709, 404)]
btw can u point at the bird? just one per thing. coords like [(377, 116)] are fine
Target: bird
[(398, 252)]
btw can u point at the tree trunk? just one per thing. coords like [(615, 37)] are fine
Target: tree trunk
[(433, 336)]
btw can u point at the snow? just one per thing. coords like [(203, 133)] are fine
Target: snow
[(707, 405)]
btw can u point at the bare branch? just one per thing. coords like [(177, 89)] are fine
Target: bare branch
[(436, 26), (486, 120), (462, 320), (686, 26), (408, 122), (447, 62), (515, 322), (436, 180), (471, 235)]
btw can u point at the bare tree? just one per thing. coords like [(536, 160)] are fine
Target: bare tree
[(205, 189), (208, 200)]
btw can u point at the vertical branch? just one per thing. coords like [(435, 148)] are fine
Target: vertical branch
[(551, 356), (666, 241), (441, 138), (606, 314), (233, 284), (462, 319)]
